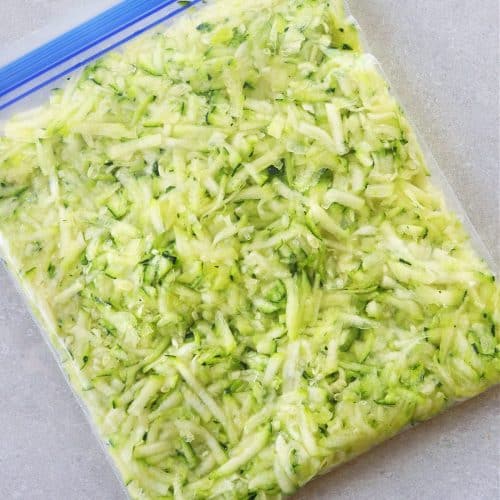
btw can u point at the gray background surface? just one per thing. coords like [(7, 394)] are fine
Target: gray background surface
[(442, 57)]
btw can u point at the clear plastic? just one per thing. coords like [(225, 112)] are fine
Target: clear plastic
[(438, 176), (117, 25), (34, 91), (26, 81)]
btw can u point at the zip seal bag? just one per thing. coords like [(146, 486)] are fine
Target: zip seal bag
[(17, 93)]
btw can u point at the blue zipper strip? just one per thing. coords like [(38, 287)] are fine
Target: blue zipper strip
[(84, 37)]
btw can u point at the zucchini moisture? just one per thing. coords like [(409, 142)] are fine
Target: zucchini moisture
[(229, 233)]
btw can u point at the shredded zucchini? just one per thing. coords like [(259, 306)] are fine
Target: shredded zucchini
[(229, 232)]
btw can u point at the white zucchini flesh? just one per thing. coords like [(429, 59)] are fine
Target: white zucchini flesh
[(230, 233)]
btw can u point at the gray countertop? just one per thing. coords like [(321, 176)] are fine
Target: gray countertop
[(442, 57)]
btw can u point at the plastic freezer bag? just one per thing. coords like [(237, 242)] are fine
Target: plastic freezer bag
[(229, 234)]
